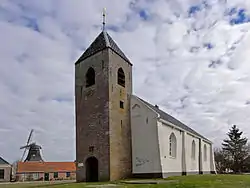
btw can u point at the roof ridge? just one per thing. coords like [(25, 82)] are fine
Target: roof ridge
[(106, 39), (164, 115)]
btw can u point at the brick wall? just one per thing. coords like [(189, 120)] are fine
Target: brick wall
[(92, 115), (120, 129), (99, 120), (61, 176)]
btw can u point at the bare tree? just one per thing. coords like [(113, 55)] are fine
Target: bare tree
[(14, 169), (221, 160)]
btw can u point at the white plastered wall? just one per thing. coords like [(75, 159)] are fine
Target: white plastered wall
[(192, 165), (169, 164), (145, 148), (206, 163)]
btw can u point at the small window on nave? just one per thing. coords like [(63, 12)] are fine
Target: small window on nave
[(121, 77), (205, 152), (90, 77), (172, 145), (193, 150)]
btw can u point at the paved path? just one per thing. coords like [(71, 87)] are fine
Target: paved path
[(149, 181)]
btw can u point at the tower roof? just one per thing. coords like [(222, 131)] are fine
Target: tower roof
[(102, 41)]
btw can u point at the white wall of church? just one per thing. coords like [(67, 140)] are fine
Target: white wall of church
[(206, 160), (212, 162), (169, 164), (145, 150), (150, 144), (192, 165)]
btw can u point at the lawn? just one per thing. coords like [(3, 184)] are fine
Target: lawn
[(196, 181)]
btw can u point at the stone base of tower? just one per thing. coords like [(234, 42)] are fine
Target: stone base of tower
[(120, 176), (116, 173), (81, 177)]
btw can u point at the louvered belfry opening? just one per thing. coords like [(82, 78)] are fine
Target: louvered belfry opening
[(121, 77)]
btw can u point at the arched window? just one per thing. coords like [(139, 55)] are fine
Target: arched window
[(90, 77), (193, 150), (172, 145), (205, 152), (121, 77)]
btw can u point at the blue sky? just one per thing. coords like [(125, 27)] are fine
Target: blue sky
[(189, 57)]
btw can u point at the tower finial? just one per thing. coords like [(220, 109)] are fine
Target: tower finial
[(104, 17)]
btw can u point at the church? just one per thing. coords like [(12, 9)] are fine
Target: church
[(119, 135)]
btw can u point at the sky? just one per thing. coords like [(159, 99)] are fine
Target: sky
[(189, 57)]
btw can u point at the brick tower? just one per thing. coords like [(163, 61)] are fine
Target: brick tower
[(103, 86)]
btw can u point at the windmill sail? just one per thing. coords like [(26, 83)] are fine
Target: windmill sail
[(28, 142)]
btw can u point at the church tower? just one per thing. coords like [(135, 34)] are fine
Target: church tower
[(103, 87)]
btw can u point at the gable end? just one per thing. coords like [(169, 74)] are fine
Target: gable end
[(2, 161)]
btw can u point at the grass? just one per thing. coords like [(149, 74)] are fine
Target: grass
[(195, 181)]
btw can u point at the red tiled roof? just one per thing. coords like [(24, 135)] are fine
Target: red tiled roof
[(45, 167)]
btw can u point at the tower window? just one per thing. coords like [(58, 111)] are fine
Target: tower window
[(81, 92), (121, 77), (90, 77), (91, 148), (122, 104), (102, 64)]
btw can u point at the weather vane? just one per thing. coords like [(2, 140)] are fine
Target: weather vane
[(103, 20)]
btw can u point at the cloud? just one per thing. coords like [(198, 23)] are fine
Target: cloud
[(189, 57)]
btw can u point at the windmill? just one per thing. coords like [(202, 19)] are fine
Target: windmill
[(34, 150)]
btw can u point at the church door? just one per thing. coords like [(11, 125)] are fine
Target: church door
[(91, 169)]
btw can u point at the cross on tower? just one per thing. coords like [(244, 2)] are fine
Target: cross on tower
[(103, 20)]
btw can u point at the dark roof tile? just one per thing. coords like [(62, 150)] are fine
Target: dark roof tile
[(102, 41), (172, 120), (2, 161)]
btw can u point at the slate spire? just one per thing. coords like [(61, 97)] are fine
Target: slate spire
[(101, 42)]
